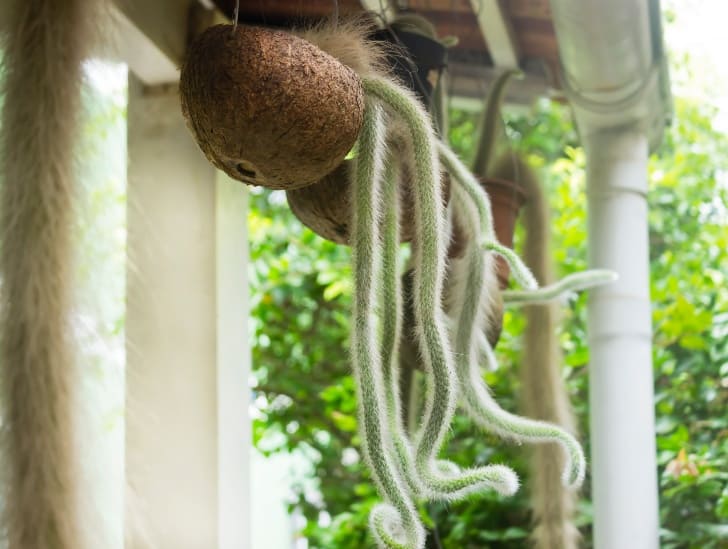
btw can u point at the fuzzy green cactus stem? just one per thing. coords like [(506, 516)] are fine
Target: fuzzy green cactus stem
[(477, 400), (391, 307), (429, 262), (574, 282), (401, 472), (394, 524), (486, 231)]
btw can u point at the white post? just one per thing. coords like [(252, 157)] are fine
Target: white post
[(187, 436), (623, 456)]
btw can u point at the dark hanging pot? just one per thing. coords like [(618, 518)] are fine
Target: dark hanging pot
[(417, 60)]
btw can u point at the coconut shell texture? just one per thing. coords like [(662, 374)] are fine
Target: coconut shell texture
[(269, 108), (325, 206)]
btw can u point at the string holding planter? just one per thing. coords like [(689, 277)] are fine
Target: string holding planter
[(273, 109)]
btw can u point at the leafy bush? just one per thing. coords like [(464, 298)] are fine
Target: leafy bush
[(305, 395)]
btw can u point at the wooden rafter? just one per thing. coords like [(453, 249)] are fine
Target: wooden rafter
[(498, 32), (153, 34), (151, 37)]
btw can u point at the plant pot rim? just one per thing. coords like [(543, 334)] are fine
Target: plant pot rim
[(520, 196)]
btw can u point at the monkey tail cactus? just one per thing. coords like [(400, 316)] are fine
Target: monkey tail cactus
[(429, 267), (410, 470), (395, 523)]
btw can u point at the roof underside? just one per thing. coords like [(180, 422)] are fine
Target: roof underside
[(473, 61)]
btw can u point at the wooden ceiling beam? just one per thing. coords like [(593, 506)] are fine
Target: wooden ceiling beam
[(289, 10), (498, 32), (140, 53), (151, 37), (469, 84), (442, 6)]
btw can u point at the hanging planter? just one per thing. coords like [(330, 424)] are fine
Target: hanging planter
[(269, 108), (326, 206), (289, 113), (416, 59), (506, 198)]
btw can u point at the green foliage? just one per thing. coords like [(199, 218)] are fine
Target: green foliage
[(301, 301), (689, 260)]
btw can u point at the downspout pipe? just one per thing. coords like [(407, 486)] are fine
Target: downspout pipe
[(615, 75)]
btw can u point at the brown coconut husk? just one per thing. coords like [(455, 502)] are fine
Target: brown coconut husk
[(269, 108), (325, 206)]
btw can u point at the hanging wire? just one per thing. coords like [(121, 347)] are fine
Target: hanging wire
[(335, 17), (382, 9), (236, 14)]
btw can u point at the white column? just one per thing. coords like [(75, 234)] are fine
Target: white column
[(187, 435), (623, 453)]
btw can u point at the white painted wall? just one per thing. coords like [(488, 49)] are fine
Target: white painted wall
[(272, 527), (187, 434)]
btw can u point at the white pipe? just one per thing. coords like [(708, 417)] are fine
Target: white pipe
[(616, 79), (623, 456), (603, 46), (614, 71)]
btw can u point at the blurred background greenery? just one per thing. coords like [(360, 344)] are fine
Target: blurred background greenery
[(304, 393)]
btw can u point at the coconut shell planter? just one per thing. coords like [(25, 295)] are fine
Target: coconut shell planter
[(270, 108), (325, 206)]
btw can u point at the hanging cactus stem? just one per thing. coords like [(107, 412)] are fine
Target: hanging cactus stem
[(395, 524), (406, 472), (568, 285), (392, 307), (390, 134), (476, 398), (429, 253)]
